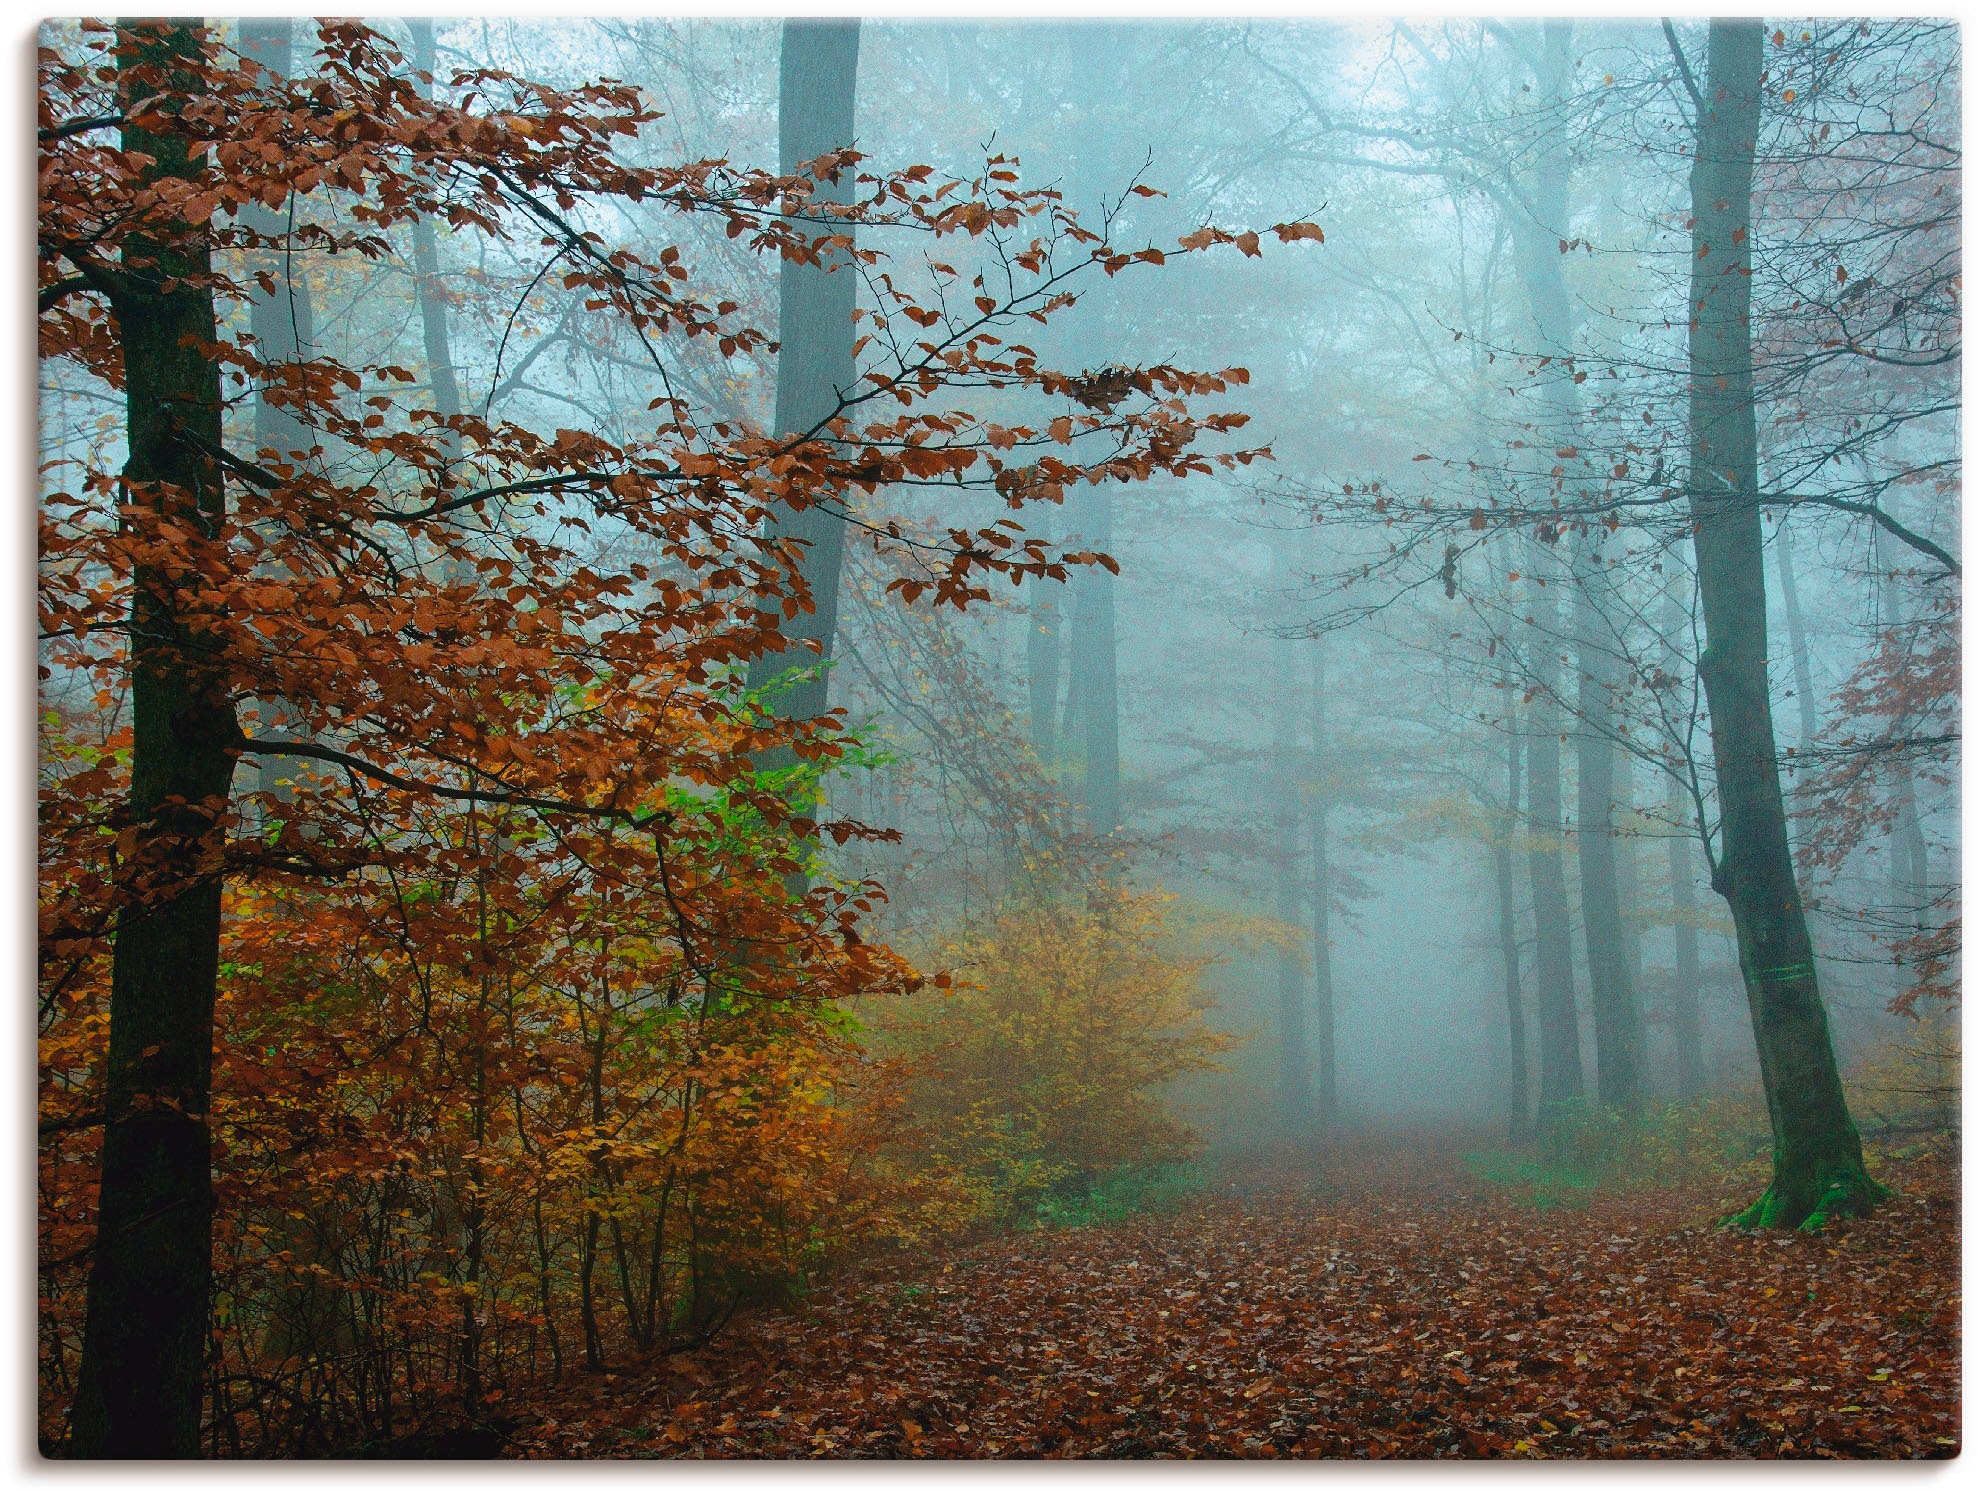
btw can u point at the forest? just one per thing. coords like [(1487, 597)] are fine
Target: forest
[(973, 739)]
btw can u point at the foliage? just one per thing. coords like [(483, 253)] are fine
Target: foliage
[(1385, 1312), (1129, 1192), (1038, 1076), (525, 1052), (1709, 1141)]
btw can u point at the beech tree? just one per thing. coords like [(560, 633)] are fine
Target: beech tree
[(1817, 1169), (428, 612)]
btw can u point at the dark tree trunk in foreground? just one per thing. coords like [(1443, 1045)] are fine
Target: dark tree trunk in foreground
[(815, 366), (1507, 934), (1817, 1169), (1322, 991), (145, 1324)]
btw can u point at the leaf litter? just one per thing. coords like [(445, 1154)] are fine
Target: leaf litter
[(1370, 1301)]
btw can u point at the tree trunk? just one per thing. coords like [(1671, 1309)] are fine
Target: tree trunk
[(1817, 1169), (1535, 237), (1809, 721), (1686, 998), (815, 365), (284, 326), (1095, 662), (1100, 54), (440, 373), (1685, 1008), (1322, 991), (1294, 1059), (1043, 659), (145, 1324), (1507, 934), (1909, 853), (1560, 1080)]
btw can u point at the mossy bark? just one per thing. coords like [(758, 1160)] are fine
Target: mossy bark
[(1817, 1168), (145, 1322)]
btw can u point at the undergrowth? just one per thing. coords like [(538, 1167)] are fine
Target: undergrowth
[(1129, 1192)]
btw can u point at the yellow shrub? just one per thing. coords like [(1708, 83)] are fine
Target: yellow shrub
[(1040, 1072)]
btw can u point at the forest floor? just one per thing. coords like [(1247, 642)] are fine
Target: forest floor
[(1375, 1299)]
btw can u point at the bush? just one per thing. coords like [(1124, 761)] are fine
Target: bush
[(1039, 1075)]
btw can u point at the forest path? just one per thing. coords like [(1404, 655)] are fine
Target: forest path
[(1374, 1302)]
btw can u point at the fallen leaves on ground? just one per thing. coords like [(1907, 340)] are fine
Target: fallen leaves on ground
[(1371, 1301)]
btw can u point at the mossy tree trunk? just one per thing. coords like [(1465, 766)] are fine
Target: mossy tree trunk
[(145, 1322), (1817, 1169)]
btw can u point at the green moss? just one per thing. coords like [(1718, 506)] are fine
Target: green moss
[(1851, 1193)]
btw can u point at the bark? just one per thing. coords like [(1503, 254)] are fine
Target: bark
[(1507, 935), (1685, 1010), (1535, 236), (1099, 55), (284, 323), (1322, 990), (284, 326), (1685, 1000), (1094, 694), (145, 1322), (1043, 658), (1909, 853), (815, 365), (1782, 551), (1817, 1169), (440, 373), (1294, 1057), (1560, 1079)]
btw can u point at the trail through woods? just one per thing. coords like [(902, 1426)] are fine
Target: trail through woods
[(1374, 1300)]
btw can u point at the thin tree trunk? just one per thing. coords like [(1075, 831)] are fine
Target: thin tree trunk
[(1686, 994), (1560, 1077), (440, 372), (1095, 649), (1535, 236), (1294, 1057), (1322, 990), (1782, 550), (1100, 55), (1043, 658), (145, 1322), (1909, 853), (1817, 1168), (1507, 934)]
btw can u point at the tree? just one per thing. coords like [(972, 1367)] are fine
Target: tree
[(1817, 1168), (815, 367), (477, 690)]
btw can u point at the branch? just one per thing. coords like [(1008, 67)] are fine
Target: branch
[(1888, 524), (77, 127), (308, 750), (1683, 65)]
